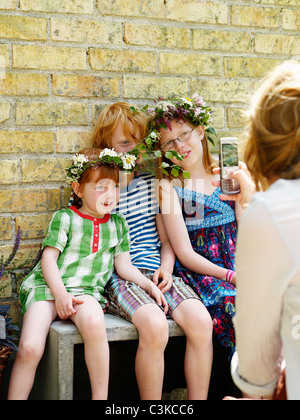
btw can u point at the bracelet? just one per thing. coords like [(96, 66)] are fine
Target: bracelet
[(229, 276)]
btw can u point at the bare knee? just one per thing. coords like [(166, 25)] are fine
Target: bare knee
[(153, 330), (30, 352), (93, 327), (195, 320)]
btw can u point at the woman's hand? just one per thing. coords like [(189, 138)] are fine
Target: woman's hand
[(247, 185)]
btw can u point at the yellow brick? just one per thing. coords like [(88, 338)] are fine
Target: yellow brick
[(154, 35), (248, 66), (5, 228), (66, 196), (152, 87), (23, 84), (255, 16), (8, 4), (197, 11), (122, 60), (44, 57), (277, 44), (291, 19), (72, 142), (6, 287), (223, 90), (279, 2), (29, 200), (76, 30), (26, 142), (221, 40), (4, 111), (22, 27), (218, 117), (194, 64), (41, 169), (4, 53), (138, 8), (141, 34), (9, 172), (26, 254), (48, 113), (58, 6), (85, 86), (236, 117), (177, 37), (33, 226)]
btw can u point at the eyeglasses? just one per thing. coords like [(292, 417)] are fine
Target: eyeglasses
[(169, 145)]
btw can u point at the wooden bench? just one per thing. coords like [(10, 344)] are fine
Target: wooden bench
[(54, 378)]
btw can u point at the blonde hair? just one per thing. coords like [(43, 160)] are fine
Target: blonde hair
[(134, 124), (272, 149)]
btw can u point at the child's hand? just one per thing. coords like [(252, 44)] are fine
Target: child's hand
[(65, 305), (166, 279), (157, 295)]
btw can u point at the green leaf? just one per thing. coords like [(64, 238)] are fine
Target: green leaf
[(157, 153), (170, 154), (165, 165), (210, 139), (186, 174), (174, 172)]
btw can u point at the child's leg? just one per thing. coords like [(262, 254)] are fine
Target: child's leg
[(196, 322), (152, 326), (36, 323), (89, 319), (128, 300)]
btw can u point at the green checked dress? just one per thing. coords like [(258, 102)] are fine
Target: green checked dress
[(87, 248)]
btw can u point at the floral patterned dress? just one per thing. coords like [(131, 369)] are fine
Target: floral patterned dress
[(212, 229)]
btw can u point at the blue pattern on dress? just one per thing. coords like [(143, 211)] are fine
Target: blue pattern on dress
[(212, 229)]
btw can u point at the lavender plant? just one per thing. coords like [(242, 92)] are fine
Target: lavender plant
[(5, 268)]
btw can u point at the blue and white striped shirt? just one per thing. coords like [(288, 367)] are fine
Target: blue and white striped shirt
[(139, 206)]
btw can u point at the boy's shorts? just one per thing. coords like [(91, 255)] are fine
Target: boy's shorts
[(126, 297)]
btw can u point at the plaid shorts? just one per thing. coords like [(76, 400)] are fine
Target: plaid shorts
[(126, 297)]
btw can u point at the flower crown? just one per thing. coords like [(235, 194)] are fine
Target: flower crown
[(109, 157), (194, 111)]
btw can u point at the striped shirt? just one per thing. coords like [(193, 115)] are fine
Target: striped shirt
[(87, 248), (139, 206)]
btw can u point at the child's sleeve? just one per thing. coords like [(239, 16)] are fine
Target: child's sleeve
[(123, 235), (57, 232)]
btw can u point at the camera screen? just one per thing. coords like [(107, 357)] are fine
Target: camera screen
[(230, 154)]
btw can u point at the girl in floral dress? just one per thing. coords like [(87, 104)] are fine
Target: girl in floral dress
[(202, 229)]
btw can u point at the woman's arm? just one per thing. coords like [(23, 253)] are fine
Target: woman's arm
[(63, 300), (263, 266)]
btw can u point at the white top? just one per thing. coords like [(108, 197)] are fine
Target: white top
[(267, 317)]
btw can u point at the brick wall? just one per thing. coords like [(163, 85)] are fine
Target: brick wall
[(62, 60)]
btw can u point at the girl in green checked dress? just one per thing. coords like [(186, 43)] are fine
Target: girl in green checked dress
[(80, 250)]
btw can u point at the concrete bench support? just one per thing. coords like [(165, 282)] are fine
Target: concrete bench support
[(54, 379)]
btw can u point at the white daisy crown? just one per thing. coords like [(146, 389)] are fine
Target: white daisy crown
[(110, 157)]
